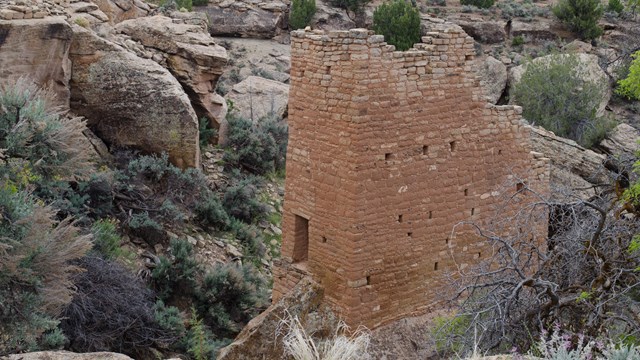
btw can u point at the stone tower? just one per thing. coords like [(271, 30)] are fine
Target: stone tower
[(389, 150)]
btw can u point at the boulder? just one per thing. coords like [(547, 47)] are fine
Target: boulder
[(256, 97), (486, 32), (493, 77), (537, 31), (622, 142), (66, 355), (251, 19), (329, 17), (262, 337), (38, 48), (130, 101), (589, 70), (574, 169), (191, 56), (120, 10)]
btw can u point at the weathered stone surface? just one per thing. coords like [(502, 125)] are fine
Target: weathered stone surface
[(486, 32), (536, 31), (262, 337), (131, 101), (66, 355), (388, 153), (574, 169), (588, 70), (328, 17), (257, 97), (622, 142), (37, 48), (493, 77), (191, 55), (243, 19), (120, 10)]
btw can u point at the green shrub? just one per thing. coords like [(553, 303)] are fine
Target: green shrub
[(240, 201), (35, 273), (177, 276), (630, 86), (399, 22), (200, 2), (256, 147), (250, 237), (581, 16), (146, 228), (482, 4), (229, 297), (448, 333), (615, 6), (517, 41), (206, 132), (211, 214), (554, 95), (355, 6), (106, 240), (301, 13)]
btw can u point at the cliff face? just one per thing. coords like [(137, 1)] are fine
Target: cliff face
[(142, 84)]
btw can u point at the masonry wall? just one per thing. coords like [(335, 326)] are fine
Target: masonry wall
[(388, 151)]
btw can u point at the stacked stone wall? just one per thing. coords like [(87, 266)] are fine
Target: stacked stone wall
[(388, 151)]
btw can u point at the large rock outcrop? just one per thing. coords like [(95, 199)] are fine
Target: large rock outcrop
[(486, 32), (120, 10), (191, 56), (256, 97), (246, 18), (131, 101), (493, 77), (37, 48), (574, 169)]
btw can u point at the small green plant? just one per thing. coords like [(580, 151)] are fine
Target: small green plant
[(301, 13), (481, 4), (447, 332), (399, 22), (629, 87), (200, 2), (517, 41), (355, 6), (581, 16), (240, 201), (82, 22), (177, 276), (615, 6), (106, 239), (206, 133), (555, 95), (211, 213)]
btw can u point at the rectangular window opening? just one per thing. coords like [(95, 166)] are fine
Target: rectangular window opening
[(324, 239), (409, 234), (388, 156), (369, 280), (430, 214), (452, 146), (520, 186), (425, 150), (399, 218), (473, 211), (499, 152), (435, 266), (466, 192), (446, 241), (479, 254), (301, 240)]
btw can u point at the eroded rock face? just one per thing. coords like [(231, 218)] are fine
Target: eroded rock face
[(131, 101), (256, 97), (120, 10), (328, 17), (253, 19), (574, 169), (493, 77), (486, 32), (622, 142), (261, 338), (37, 48), (190, 54)]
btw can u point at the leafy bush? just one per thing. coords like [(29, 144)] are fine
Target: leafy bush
[(211, 214), (229, 297), (581, 16), (144, 227), (256, 147), (615, 6), (112, 311), (482, 4), (206, 132), (250, 237), (399, 22), (177, 276), (350, 5), (301, 13), (240, 201), (517, 41), (106, 240), (35, 274), (554, 95), (630, 86), (200, 2), (32, 129)]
